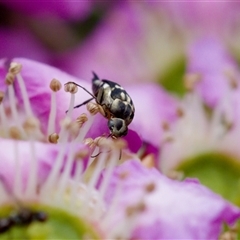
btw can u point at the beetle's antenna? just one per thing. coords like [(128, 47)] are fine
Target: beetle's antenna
[(93, 156), (83, 89), (95, 76)]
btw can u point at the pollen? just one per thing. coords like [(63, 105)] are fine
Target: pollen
[(55, 85), (70, 87)]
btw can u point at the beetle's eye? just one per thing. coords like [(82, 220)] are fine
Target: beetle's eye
[(110, 124)]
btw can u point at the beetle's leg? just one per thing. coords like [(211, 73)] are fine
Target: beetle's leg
[(85, 102)]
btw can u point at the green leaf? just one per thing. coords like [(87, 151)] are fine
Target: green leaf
[(218, 171)]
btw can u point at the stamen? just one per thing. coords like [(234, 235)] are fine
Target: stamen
[(70, 87), (190, 80), (148, 161), (52, 177), (55, 85), (15, 68), (31, 189), (82, 119), (63, 181), (53, 138), (97, 170), (93, 108), (32, 128), (13, 105), (85, 128), (17, 187), (63, 137), (3, 117), (79, 156), (139, 207), (149, 188), (9, 78), (109, 171), (15, 133)]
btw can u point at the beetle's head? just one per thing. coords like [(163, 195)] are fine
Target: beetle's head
[(117, 127)]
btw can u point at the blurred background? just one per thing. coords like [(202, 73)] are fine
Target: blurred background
[(126, 41)]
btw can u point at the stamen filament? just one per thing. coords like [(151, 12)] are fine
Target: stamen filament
[(13, 105), (31, 189), (108, 172), (85, 128), (63, 181), (77, 180), (17, 187), (52, 177), (71, 105), (52, 115), (97, 170), (24, 93), (4, 122)]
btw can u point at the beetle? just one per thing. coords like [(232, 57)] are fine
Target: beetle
[(116, 103)]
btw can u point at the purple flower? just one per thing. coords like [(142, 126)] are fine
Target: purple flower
[(202, 17), (209, 59), (50, 172), (134, 39), (146, 97), (153, 205)]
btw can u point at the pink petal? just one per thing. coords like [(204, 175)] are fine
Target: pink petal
[(174, 210), (208, 58)]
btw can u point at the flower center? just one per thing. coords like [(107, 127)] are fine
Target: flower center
[(64, 194)]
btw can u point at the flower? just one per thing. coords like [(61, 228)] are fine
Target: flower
[(137, 39), (153, 205), (209, 59), (204, 144), (52, 185), (37, 78)]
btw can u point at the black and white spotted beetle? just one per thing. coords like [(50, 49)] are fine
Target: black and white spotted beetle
[(117, 105)]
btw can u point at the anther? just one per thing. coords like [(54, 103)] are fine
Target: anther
[(148, 161), (138, 208), (81, 119), (9, 78), (93, 108), (190, 80), (65, 122), (123, 175), (89, 142), (31, 124), (175, 175), (1, 96), (81, 154), (150, 187), (15, 68), (53, 138), (73, 128), (180, 112), (231, 75), (70, 87), (55, 85), (15, 133), (120, 143), (165, 126)]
